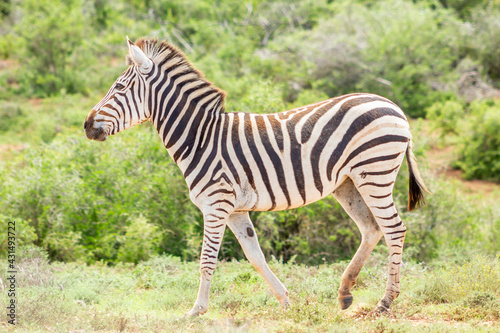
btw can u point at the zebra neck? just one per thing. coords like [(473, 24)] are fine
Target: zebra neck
[(188, 129)]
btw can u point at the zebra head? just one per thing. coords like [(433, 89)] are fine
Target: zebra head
[(125, 104)]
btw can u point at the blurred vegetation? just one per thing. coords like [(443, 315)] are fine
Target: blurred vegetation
[(125, 200)]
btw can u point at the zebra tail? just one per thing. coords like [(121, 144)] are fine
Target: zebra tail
[(416, 183)]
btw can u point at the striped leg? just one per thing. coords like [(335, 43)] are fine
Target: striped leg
[(242, 227), (350, 199), (384, 212), (394, 233), (214, 227)]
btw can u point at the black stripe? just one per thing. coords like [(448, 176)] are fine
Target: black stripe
[(200, 150), (222, 190), (395, 232), (376, 184), (390, 205), (394, 225), (309, 124), (214, 181), (121, 107), (175, 113), (258, 160), (273, 156), (210, 240), (380, 196), (205, 256), (330, 127), (212, 226), (217, 217), (209, 160), (224, 201), (239, 151), (161, 98), (278, 132), (167, 108), (224, 151), (135, 105), (140, 88), (377, 173), (388, 218), (370, 144), (182, 125), (296, 158), (358, 124)]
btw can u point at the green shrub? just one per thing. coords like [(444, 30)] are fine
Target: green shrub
[(479, 151), (397, 49), (10, 114), (446, 117), (53, 34), (140, 240), (80, 198), (481, 43)]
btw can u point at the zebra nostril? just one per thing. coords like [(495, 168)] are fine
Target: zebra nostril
[(85, 124)]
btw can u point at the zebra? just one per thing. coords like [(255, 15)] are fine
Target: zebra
[(350, 146)]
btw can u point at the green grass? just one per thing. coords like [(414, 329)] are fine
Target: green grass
[(154, 296)]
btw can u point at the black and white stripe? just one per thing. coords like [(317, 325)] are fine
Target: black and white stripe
[(351, 146)]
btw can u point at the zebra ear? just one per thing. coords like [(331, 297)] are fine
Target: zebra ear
[(138, 58)]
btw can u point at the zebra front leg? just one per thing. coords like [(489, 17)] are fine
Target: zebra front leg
[(213, 232), (352, 202), (242, 227)]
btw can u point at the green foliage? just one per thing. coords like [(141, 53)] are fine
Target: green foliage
[(479, 152), (476, 128), (446, 116), (140, 241), (24, 233), (91, 204), (10, 114), (474, 282), (53, 45)]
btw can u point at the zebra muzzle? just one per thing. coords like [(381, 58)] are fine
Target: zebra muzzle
[(91, 131)]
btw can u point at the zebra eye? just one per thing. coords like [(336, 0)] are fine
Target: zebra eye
[(119, 86)]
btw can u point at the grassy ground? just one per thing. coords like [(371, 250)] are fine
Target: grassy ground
[(153, 296)]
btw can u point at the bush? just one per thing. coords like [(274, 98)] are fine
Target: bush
[(445, 117), (397, 49), (85, 201), (53, 35), (481, 43), (479, 150)]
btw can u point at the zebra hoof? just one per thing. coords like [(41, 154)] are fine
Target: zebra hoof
[(345, 302), (380, 310)]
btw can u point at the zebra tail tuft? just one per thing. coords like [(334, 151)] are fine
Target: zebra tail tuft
[(416, 183)]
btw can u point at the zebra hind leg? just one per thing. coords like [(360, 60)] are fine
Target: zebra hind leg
[(382, 206), (352, 202), (242, 227)]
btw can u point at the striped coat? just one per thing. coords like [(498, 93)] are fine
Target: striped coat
[(350, 146)]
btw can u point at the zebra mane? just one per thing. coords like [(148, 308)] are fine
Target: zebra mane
[(164, 52)]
